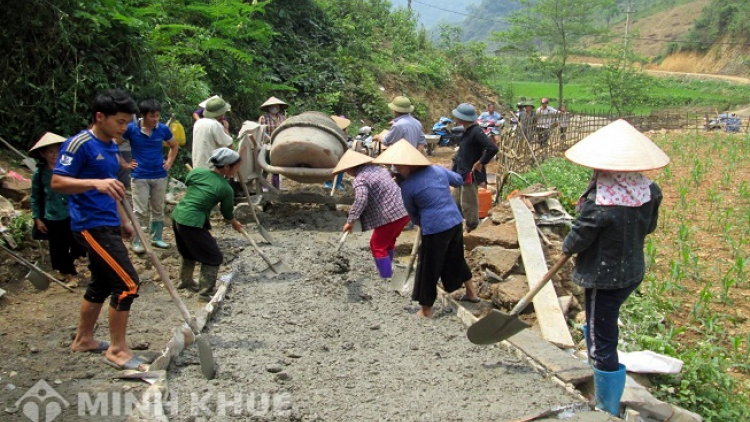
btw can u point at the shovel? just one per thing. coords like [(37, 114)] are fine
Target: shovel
[(205, 354), (38, 277), (404, 285), (498, 326), (277, 268), (27, 161), (262, 230)]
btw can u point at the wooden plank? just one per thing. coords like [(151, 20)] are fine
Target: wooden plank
[(546, 306)]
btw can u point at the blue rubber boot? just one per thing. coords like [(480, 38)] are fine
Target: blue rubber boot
[(384, 267), (609, 388)]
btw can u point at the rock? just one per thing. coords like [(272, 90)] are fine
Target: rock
[(505, 295), (57, 382), (10, 410), (283, 376), (292, 354), (15, 189), (497, 259), (34, 350), (274, 369), (504, 235)]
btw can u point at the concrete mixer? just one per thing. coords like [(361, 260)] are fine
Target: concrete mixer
[(305, 148)]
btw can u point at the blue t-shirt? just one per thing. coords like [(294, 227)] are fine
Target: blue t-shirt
[(84, 156), (147, 150), (427, 198)]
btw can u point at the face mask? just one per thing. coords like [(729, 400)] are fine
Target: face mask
[(273, 109)]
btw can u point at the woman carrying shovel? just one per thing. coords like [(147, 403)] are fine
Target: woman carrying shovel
[(377, 205), (190, 220), (427, 198), (618, 209), (49, 209)]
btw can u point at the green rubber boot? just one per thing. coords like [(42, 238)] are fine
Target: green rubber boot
[(157, 228), (186, 275), (207, 281)]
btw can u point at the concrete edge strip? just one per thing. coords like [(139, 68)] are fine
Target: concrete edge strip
[(152, 408), (467, 318)]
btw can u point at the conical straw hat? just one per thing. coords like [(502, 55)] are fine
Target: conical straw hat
[(402, 153), (350, 160), (617, 147), (274, 101), (341, 122), (49, 138)]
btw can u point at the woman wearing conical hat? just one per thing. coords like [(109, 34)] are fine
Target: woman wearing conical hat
[(427, 198), (273, 116), (377, 205), (49, 209), (616, 211)]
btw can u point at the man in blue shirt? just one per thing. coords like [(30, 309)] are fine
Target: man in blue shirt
[(404, 126), (147, 137), (87, 171)]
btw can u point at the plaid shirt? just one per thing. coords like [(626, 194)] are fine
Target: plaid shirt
[(271, 121), (377, 198)]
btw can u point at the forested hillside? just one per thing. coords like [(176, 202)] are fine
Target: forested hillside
[(334, 56)]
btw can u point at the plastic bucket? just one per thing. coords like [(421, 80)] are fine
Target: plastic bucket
[(485, 202)]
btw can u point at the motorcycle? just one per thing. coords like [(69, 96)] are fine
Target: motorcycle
[(363, 141), (492, 129), (449, 136)]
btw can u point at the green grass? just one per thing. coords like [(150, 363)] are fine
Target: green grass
[(663, 93)]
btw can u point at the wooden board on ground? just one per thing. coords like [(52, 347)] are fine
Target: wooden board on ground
[(549, 315)]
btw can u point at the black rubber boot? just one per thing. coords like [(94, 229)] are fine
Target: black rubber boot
[(186, 276), (207, 281)]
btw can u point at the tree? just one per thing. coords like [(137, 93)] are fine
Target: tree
[(621, 80), (549, 31)]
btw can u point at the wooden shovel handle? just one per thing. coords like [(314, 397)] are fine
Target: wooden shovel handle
[(524, 302), (249, 202), (257, 249), (342, 240), (160, 269)]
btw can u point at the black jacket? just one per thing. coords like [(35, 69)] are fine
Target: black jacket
[(474, 146), (609, 242)]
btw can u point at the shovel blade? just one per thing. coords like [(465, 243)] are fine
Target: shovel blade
[(206, 356), (276, 268), (38, 280), (265, 234), (403, 281), (495, 327)]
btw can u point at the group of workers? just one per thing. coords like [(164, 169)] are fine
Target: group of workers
[(78, 201)]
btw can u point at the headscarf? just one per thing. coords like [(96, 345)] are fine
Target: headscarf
[(223, 156), (616, 188)]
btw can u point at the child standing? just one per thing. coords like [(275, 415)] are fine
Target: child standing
[(49, 209)]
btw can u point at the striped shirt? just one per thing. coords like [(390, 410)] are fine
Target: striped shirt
[(271, 121), (377, 198)]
